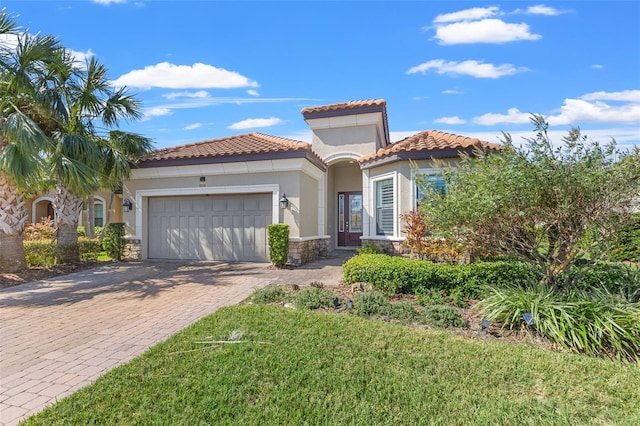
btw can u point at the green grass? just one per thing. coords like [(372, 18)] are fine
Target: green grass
[(301, 367)]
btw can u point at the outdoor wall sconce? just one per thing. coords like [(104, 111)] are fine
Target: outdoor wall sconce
[(127, 205), (284, 202), (203, 181)]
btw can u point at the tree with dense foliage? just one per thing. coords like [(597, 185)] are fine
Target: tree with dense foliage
[(78, 112), (24, 61), (553, 206)]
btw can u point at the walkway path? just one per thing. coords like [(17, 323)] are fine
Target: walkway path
[(59, 335)]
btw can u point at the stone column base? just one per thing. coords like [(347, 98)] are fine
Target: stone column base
[(302, 251)]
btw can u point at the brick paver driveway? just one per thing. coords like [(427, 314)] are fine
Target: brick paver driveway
[(59, 335)]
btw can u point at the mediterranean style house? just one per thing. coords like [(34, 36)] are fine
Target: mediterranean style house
[(213, 200)]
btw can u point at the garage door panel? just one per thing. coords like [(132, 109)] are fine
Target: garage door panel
[(217, 227)]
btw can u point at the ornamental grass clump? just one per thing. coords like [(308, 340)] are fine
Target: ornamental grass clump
[(272, 293), (594, 322), (313, 298)]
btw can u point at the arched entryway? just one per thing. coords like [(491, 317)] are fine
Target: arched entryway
[(345, 203)]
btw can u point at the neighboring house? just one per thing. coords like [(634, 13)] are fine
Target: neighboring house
[(107, 208), (214, 199)]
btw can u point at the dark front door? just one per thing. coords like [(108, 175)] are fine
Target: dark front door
[(349, 219)]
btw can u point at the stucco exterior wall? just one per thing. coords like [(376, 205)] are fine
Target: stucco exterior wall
[(358, 140)]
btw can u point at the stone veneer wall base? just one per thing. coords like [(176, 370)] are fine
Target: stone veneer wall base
[(304, 251), (393, 248), (132, 249)]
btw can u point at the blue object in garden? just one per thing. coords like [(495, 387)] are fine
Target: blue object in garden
[(528, 318), (349, 304), (485, 324)]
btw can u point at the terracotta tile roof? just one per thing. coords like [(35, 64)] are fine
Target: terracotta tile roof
[(345, 106), (245, 146), (428, 142)]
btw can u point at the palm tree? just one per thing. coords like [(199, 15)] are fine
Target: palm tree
[(84, 156), (23, 61), (49, 111)]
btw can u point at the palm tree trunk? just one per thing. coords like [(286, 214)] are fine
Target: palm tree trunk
[(67, 207), (13, 215), (89, 228)]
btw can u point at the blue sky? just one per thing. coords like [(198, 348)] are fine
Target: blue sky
[(205, 70)]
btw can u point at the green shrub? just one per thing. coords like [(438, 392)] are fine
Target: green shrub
[(90, 249), (615, 277), (114, 242), (443, 316), (371, 303), (628, 243), (434, 296), (369, 248), (40, 253), (594, 322), (278, 235), (43, 230), (394, 274), (313, 298), (402, 311), (269, 294)]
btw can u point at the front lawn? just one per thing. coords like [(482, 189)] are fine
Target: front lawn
[(299, 367)]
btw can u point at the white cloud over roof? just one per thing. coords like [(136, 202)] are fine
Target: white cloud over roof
[(253, 123), (542, 9), (196, 76), (483, 31), (470, 67), (450, 120), (472, 14)]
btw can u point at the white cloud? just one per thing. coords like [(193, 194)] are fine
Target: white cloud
[(577, 111), (9, 41), (155, 112), (472, 14), (541, 9), (201, 94), (192, 126), (471, 68), (108, 2), (513, 116), (252, 123), (252, 92), (625, 96), (452, 92), (80, 58), (450, 120), (196, 76), (483, 31), (597, 66)]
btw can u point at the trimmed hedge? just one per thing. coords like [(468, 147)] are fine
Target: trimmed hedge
[(42, 252), (278, 236), (394, 274), (113, 242)]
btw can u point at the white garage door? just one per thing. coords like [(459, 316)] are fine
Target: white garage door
[(215, 227)]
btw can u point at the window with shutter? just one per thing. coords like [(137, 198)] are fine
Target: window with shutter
[(384, 207)]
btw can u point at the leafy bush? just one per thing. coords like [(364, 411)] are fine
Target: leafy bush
[(402, 311), (113, 242), (594, 322), (425, 246), (278, 243), (615, 277), (628, 243), (394, 274), (443, 316), (82, 232), (313, 298), (370, 303), (90, 249), (369, 248), (434, 296), (269, 294), (39, 252), (43, 230)]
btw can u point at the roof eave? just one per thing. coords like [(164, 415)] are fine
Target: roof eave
[(189, 161)]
